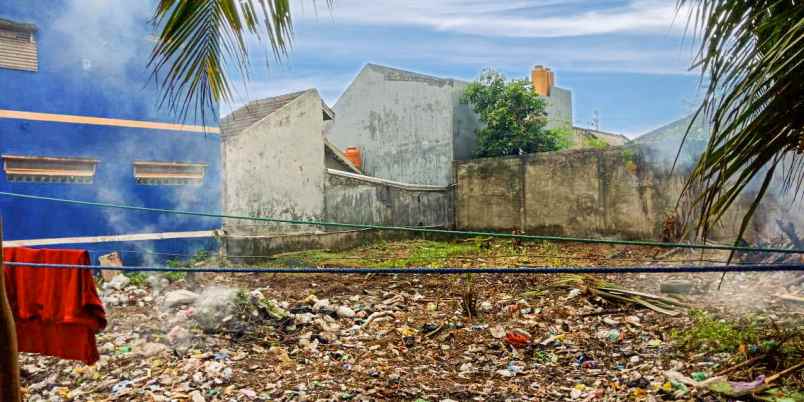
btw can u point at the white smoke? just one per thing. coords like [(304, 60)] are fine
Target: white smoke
[(100, 34)]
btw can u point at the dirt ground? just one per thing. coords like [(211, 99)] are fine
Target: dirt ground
[(409, 338)]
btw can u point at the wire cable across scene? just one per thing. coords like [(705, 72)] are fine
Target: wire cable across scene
[(414, 229), (437, 271)]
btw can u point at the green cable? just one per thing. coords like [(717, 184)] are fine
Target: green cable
[(414, 229)]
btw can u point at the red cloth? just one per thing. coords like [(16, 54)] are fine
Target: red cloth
[(57, 311)]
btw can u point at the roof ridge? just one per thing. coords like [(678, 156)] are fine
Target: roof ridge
[(255, 111)]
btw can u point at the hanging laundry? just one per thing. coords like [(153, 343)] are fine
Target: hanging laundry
[(57, 311)]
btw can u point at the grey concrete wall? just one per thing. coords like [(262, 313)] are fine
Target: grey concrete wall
[(268, 245), (275, 168), (406, 125), (615, 192), (362, 200), (559, 108)]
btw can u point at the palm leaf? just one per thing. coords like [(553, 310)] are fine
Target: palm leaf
[(203, 42), (752, 56)]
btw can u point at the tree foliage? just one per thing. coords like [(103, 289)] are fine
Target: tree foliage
[(203, 42), (514, 117), (752, 56)]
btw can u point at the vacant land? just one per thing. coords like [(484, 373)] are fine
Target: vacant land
[(434, 338)]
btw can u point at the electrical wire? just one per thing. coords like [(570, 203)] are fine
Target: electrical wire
[(412, 229)]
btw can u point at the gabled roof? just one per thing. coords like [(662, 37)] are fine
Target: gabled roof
[(600, 133), (676, 130), (246, 116), (396, 74)]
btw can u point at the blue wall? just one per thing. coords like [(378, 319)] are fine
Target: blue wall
[(92, 62)]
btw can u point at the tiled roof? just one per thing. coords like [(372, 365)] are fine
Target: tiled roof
[(253, 112)]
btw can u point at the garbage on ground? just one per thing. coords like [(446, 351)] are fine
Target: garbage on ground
[(386, 337)]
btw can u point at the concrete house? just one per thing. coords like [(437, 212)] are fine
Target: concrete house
[(411, 127), (277, 164), (78, 122), (273, 161)]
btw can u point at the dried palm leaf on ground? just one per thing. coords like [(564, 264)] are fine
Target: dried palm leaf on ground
[(610, 291)]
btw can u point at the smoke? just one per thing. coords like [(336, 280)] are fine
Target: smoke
[(104, 45), (676, 147), (100, 32)]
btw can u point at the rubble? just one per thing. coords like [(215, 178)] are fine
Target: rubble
[(289, 337), (180, 297)]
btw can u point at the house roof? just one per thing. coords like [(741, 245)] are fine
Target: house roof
[(600, 133), (676, 131), (17, 26), (395, 74), (246, 116)]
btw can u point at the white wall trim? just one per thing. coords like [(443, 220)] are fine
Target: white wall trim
[(391, 183), (109, 239)]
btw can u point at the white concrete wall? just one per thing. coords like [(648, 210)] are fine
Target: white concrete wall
[(276, 168), (405, 125)]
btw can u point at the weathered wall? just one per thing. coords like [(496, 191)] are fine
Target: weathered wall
[(268, 245), (614, 193), (404, 124), (359, 199), (275, 168), (559, 108)]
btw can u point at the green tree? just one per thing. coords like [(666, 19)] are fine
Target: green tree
[(752, 58), (514, 117)]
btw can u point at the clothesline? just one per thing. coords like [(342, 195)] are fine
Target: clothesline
[(437, 271)]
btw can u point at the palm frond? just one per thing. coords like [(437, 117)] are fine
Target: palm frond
[(203, 42), (752, 56)]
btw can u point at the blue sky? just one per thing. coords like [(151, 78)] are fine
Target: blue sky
[(626, 59)]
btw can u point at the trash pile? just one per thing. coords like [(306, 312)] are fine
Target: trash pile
[(243, 337)]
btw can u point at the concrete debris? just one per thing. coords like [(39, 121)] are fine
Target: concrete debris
[(345, 312), (152, 349), (679, 286), (119, 282), (180, 297)]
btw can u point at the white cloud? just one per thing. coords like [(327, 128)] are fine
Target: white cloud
[(527, 19), (282, 82)]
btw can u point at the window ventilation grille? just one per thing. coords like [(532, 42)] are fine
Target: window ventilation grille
[(169, 173), (40, 169), (18, 50)]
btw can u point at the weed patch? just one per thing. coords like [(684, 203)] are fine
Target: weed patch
[(707, 332)]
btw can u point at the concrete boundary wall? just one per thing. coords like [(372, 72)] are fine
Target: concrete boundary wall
[(358, 199), (614, 192)]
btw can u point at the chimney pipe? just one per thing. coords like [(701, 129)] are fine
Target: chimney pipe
[(542, 79)]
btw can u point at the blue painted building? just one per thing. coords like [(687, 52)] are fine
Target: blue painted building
[(79, 119)]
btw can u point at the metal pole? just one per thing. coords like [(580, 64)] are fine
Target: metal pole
[(9, 366)]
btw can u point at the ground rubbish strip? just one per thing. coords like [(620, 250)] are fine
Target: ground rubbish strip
[(436, 271), (412, 229), (447, 257)]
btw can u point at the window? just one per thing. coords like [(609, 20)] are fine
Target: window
[(41, 169), (169, 173), (18, 46)]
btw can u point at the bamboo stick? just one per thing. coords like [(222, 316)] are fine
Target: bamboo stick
[(9, 366)]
